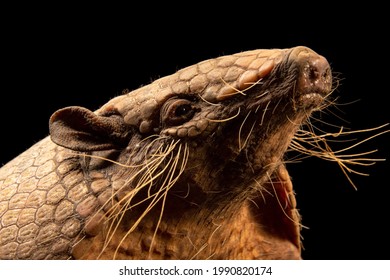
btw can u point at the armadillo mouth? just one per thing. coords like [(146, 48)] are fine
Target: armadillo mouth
[(310, 100)]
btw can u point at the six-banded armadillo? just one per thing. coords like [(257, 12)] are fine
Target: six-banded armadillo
[(187, 167)]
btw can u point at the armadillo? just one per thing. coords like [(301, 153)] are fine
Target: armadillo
[(190, 166)]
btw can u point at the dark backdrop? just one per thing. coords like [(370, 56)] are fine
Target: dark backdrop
[(65, 57)]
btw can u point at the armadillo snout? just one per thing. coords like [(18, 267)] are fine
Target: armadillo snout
[(315, 75)]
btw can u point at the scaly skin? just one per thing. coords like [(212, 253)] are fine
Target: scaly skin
[(203, 146)]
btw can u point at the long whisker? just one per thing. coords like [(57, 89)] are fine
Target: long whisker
[(118, 210), (264, 112), (309, 143), (240, 147), (227, 119), (248, 85), (170, 172), (208, 102), (150, 172), (170, 184)]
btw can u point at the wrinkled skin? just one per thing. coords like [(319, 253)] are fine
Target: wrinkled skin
[(188, 167)]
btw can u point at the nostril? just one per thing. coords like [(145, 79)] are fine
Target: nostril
[(318, 73), (313, 74), (327, 74)]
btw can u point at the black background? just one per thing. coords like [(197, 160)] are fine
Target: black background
[(71, 56)]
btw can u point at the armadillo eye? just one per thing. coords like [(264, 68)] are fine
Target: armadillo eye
[(177, 111), (183, 110)]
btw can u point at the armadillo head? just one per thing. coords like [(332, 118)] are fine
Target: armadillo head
[(215, 132)]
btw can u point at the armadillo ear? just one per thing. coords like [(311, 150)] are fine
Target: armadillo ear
[(80, 129)]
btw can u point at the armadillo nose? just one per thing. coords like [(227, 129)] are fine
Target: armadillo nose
[(319, 74), (315, 73)]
